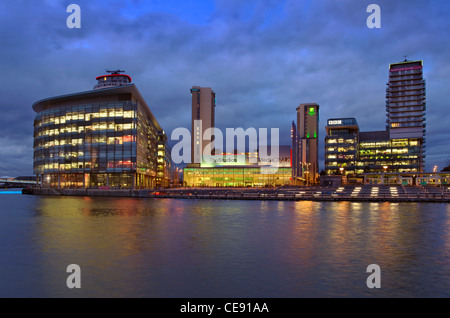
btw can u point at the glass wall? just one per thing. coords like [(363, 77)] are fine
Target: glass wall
[(341, 153), (395, 155), (95, 145), (236, 177)]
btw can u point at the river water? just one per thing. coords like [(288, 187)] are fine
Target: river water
[(131, 247)]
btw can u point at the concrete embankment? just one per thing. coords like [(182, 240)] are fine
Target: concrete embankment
[(89, 192), (310, 194)]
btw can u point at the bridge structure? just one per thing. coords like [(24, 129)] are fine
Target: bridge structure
[(10, 182)]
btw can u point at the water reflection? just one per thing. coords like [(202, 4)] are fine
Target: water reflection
[(207, 248)]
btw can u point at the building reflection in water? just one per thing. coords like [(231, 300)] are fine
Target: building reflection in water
[(107, 237), (219, 248)]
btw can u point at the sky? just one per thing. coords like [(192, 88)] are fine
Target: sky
[(262, 58)]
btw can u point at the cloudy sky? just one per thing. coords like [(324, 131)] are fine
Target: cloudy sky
[(262, 58)]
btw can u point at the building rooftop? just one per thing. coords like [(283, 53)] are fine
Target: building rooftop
[(119, 93), (373, 135)]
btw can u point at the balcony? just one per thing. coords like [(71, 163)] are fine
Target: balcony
[(401, 88), (405, 98), (405, 93), (399, 78), (403, 83)]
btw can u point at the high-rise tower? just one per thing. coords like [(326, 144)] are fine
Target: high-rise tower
[(405, 104), (306, 154), (203, 113)]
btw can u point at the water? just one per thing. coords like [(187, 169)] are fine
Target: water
[(215, 248)]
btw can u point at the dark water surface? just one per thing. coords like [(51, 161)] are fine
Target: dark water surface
[(129, 247)]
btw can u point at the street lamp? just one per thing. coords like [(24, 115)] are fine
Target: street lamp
[(307, 173), (341, 171), (384, 174)]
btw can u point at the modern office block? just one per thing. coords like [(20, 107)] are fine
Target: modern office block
[(106, 137), (341, 146), (398, 149), (379, 153)]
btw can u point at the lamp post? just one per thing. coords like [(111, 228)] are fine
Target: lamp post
[(341, 170), (384, 174), (308, 176)]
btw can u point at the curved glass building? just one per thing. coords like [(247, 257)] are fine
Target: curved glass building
[(106, 137)]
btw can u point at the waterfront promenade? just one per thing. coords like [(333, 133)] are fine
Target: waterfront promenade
[(375, 193)]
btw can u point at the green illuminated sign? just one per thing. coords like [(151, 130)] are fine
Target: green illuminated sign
[(312, 111)]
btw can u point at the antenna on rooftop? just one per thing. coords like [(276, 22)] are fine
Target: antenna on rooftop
[(115, 71)]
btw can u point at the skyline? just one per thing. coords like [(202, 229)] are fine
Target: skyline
[(261, 59)]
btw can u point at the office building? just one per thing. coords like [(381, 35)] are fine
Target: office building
[(341, 146), (398, 149), (305, 144), (349, 151), (105, 137), (203, 116), (379, 153)]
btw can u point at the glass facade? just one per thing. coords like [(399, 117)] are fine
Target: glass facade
[(395, 155), (350, 152), (102, 144), (341, 152), (341, 146), (236, 177)]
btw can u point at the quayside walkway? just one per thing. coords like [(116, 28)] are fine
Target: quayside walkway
[(395, 193), (377, 193)]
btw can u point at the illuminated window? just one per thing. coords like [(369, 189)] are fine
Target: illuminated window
[(128, 114)]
